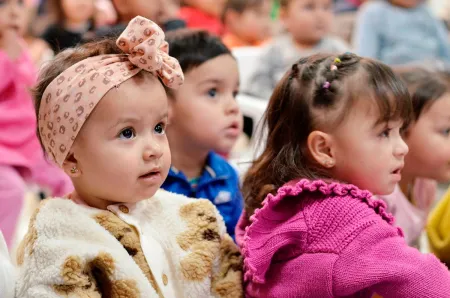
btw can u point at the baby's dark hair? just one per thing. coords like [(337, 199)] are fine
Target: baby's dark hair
[(240, 6), (194, 47), (316, 94), (66, 59), (424, 86)]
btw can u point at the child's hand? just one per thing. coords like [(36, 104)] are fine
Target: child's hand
[(9, 42)]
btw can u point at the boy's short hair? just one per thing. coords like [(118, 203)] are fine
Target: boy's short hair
[(240, 6), (194, 47)]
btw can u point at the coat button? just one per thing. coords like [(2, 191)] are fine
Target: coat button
[(165, 279), (124, 209)]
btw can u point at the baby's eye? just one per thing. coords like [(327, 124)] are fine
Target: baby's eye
[(446, 132), (127, 134), (160, 128), (212, 92)]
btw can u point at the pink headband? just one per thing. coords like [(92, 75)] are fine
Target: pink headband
[(72, 96)]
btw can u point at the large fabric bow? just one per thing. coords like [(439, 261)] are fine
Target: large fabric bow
[(70, 98)]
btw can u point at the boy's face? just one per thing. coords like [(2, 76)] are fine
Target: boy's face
[(203, 112), (212, 7), (308, 20)]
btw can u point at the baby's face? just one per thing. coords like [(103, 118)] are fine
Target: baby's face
[(429, 142), (122, 152)]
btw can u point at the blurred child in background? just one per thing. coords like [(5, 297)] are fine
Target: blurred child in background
[(21, 156), (105, 14), (38, 49), (400, 31), (308, 23), (73, 22), (427, 162), (247, 22)]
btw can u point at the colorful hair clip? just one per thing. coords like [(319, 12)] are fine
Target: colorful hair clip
[(326, 85), (348, 53), (333, 67), (337, 60)]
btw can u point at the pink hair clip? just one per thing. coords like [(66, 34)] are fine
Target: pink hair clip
[(333, 67), (326, 85)]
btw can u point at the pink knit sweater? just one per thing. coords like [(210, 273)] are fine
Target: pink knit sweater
[(314, 239)]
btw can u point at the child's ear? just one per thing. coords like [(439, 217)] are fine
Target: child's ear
[(71, 166), (320, 146)]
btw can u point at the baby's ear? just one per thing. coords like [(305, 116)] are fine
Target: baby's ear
[(71, 167), (320, 146)]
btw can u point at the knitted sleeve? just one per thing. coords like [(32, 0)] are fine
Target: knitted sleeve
[(378, 263)]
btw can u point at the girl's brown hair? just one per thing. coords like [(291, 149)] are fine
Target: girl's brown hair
[(424, 86), (300, 104)]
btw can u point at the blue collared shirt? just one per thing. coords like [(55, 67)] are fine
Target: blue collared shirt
[(218, 183)]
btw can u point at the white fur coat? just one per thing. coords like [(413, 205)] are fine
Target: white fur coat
[(166, 246)]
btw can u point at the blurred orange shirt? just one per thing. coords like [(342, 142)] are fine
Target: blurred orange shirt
[(233, 41)]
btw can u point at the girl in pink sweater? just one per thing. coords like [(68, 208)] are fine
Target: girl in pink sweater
[(21, 156), (311, 227)]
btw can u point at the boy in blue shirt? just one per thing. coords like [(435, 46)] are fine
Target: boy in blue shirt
[(204, 118)]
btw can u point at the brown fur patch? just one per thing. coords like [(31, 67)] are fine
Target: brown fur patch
[(201, 238), (78, 280), (125, 289), (129, 238), (227, 283), (94, 279)]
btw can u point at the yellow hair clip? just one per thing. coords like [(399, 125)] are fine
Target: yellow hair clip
[(337, 60)]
